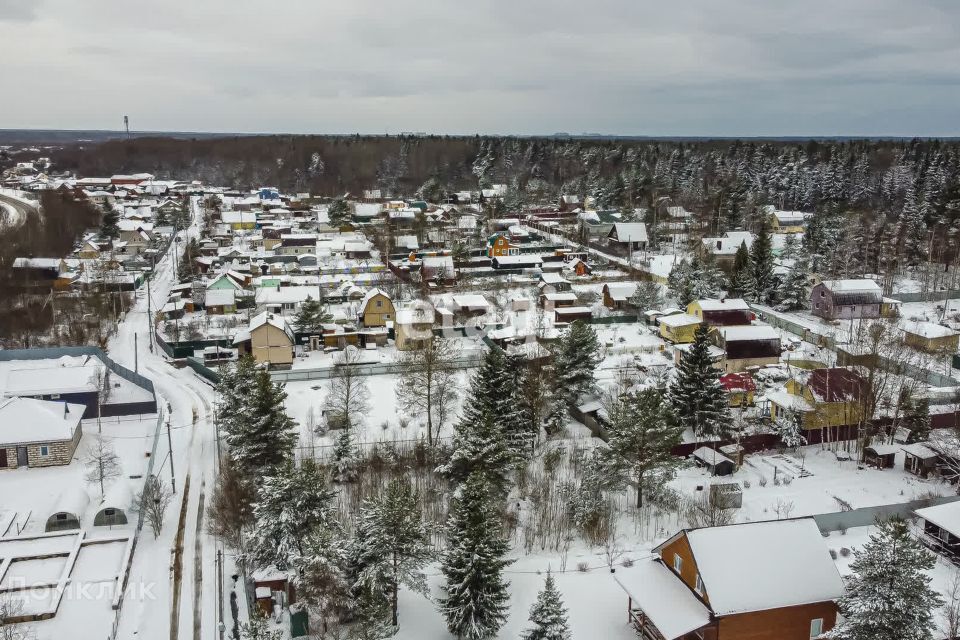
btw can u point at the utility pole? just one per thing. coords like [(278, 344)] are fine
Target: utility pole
[(136, 355), (173, 478), (153, 266)]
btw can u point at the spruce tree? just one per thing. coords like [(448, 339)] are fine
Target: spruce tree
[(916, 418), (548, 615), (294, 505), (740, 276), (346, 460), (697, 398), (396, 543), (575, 362), (795, 291), (312, 316), (642, 433), (762, 284), (645, 297), (889, 596), (338, 213), (110, 223), (477, 597), (261, 436), (489, 424)]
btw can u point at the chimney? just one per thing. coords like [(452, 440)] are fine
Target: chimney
[(719, 244)]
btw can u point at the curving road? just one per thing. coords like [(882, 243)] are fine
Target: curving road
[(13, 211)]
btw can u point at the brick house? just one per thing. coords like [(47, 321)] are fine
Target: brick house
[(846, 299), (756, 581), (38, 433)]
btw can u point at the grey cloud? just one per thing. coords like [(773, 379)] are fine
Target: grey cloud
[(530, 66)]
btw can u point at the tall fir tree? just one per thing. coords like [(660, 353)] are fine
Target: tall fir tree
[(490, 419), (338, 213), (795, 291), (548, 615), (762, 283), (575, 362), (396, 543), (293, 504), (740, 276), (477, 596), (261, 435), (311, 317), (889, 596), (697, 398), (110, 223), (642, 432)]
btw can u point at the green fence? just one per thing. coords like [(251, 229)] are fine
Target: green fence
[(203, 370)]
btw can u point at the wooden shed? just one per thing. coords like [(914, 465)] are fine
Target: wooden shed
[(881, 456)]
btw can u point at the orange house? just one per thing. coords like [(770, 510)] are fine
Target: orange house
[(499, 245), (756, 581)]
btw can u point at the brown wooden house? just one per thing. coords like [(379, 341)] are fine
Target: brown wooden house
[(757, 581)]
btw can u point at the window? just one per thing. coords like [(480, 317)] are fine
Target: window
[(823, 294), (54, 396), (677, 563), (699, 587), (379, 303), (44, 450), (816, 627)]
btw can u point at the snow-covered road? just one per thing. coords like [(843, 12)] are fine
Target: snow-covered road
[(192, 614)]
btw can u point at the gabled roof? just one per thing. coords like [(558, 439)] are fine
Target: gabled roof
[(670, 605), (760, 566), (629, 232), (271, 319), (24, 420), (370, 295), (724, 304), (833, 384)]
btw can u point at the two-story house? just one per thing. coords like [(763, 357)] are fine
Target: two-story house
[(820, 399), (846, 299), (376, 309), (723, 312), (756, 581)]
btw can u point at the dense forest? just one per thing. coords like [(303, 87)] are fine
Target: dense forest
[(875, 200)]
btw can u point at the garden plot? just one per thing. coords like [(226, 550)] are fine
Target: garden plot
[(23, 574), (99, 561), (810, 482)]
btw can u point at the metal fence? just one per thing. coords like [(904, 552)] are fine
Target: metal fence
[(121, 586), (53, 353), (866, 516), (929, 296), (322, 373)]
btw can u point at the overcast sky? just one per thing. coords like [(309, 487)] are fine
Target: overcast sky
[(681, 67)]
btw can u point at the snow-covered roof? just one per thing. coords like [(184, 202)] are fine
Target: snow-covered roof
[(861, 285), (945, 516), (629, 231), (672, 608), (744, 568), (267, 318), (728, 244), (679, 320), (747, 332), (528, 259), (238, 217), (564, 296), (24, 420), (71, 376), (553, 278), (725, 304), (919, 450), (220, 297), (414, 315), (884, 449), (470, 301), (285, 295), (621, 291), (927, 330), (710, 456), (789, 401)]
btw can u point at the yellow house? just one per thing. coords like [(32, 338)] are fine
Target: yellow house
[(679, 328), (499, 245), (829, 397), (787, 221), (269, 339), (239, 220), (376, 309), (930, 337), (739, 387), (88, 251)]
